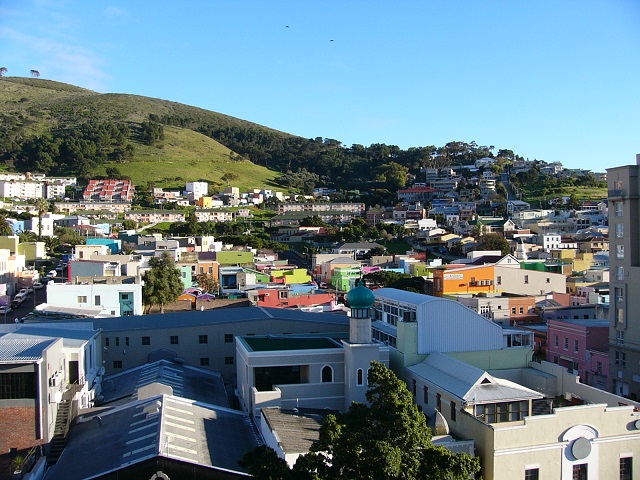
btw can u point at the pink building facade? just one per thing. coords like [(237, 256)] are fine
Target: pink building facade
[(581, 346)]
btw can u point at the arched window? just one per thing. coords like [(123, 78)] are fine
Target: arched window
[(360, 376), (327, 374)]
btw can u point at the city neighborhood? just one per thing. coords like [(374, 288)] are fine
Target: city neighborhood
[(512, 324)]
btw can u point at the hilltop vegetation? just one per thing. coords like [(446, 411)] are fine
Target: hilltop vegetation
[(60, 129)]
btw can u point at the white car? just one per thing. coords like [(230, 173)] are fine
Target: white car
[(38, 286), (52, 273), (4, 309)]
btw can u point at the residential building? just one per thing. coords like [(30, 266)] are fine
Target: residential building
[(196, 190), (624, 211), (115, 296), (109, 190)]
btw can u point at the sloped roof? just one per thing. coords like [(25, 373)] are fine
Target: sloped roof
[(469, 383), (22, 349), (161, 426), (186, 381)]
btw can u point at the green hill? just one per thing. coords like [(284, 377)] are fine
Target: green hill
[(34, 107)]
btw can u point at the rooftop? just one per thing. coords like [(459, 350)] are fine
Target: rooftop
[(22, 349), (163, 426), (271, 343)]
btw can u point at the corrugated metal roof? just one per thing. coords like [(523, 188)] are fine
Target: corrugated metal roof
[(404, 296), (469, 383), (22, 349)]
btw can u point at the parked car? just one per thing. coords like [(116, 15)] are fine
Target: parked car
[(4, 309), (16, 302), (52, 273), (23, 292), (38, 286)]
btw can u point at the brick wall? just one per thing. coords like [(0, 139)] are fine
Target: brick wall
[(18, 427)]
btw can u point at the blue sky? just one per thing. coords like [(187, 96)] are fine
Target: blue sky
[(551, 80)]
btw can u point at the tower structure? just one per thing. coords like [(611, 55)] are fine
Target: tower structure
[(624, 265), (359, 350)]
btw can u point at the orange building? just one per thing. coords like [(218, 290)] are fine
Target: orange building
[(459, 280)]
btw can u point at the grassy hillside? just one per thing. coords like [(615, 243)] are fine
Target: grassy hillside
[(34, 107), (185, 155)]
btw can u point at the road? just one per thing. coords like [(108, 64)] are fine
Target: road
[(33, 299)]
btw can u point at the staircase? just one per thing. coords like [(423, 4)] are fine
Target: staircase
[(59, 440)]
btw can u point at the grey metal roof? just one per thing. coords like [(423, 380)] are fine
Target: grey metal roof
[(296, 430), (164, 425), (469, 383), (405, 296), (70, 337), (186, 381), (22, 349), (208, 317)]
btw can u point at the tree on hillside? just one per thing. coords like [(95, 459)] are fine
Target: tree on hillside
[(162, 283), (387, 439), (494, 241), (35, 73), (3, 70), (229, 177)]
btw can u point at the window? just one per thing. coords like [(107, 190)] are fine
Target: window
[(425, 394), (555, 343), (117, 364), (521, 310), (126, 341), (453, 411), (96, 300), (580, 472), (526, 279), (513, 310), (499, 280), (106, 341), (413, 387), (228, 360), (620, 337), (117, 341), (620, 251), (327, 374), (626, 468), (203, 339), (146, 340), (228, 338), (619, 230), (621, 359), (566, 343), (575, 345), (619, 272), (599, 368), (438, 402), (555, 359), (359, 377), (532, 474), (210, 270), (204, 361), (548, 280), (82, 299), (619, 212), (173, 340)]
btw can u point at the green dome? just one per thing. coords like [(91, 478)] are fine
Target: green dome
[(360, 297)]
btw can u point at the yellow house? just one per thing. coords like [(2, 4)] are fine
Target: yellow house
[(204, 202)]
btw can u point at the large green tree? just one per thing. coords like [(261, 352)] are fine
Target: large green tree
[(384, 440), (162, 282), (494, 241)]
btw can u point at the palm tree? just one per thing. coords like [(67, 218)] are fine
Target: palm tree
[(42, 205), (5, 226)]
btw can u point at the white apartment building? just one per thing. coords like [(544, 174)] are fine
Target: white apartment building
[(196, 190), (21, 189)]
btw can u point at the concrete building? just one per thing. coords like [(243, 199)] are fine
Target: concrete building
[(115, 295), (624, 264), (195, 190)]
